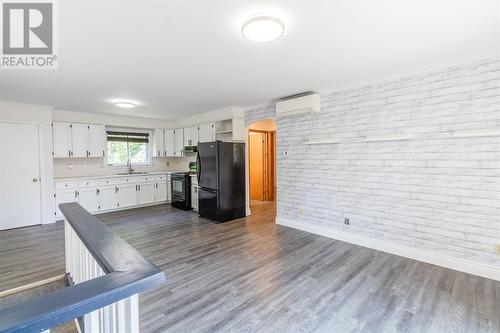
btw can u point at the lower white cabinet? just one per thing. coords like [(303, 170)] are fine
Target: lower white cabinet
[(65, 196), (194, 197), (112, 193), (108, 197), (88, 198), (161, 191), (145, 193), (127, 195)]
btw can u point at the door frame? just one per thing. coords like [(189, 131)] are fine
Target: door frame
[(40, 199), (269, 163)]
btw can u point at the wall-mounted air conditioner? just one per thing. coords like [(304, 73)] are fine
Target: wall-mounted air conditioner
[(299, 105)]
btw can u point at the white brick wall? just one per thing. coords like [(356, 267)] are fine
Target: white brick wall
[(433, 192)]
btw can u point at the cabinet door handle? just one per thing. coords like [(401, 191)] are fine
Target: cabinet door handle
[(116, 189), (97, 192), (76, 194), (165, 153), (103, 153), (69, 153)]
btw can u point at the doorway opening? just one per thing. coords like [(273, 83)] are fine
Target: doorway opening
[(262, 161)]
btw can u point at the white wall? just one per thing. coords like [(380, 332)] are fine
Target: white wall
[(206, 117), (434, 197), (41, 115)]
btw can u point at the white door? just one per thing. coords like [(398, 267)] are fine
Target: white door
[(161, 191), (127, 195), (158, 143), (169, 142), (206, 132), (108, 198), (87, 198), (80, 140), (178, 141), (19, 176), (64, 196), (61, 138), (146, 193), (97, 140)]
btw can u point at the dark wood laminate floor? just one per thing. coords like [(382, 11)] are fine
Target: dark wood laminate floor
[(251, 275)]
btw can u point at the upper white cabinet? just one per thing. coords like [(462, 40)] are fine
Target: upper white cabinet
[(61, 137), (191, 136), (97, 140), (230, 130), (159, 149), (206, 132), (169, 142), (178, 141), (78, 140)]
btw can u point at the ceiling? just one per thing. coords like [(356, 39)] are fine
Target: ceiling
[(179, 58)]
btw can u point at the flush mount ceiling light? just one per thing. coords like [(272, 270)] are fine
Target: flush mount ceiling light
[(263, 29), (124, 104)]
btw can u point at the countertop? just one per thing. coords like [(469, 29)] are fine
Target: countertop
[(153, 173)]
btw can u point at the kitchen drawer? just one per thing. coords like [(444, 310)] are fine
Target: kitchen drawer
[(61, 185), (88, 183), (161, 177), (144, 179), (116, 181)]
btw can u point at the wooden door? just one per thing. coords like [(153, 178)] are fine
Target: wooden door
[(256, 159), (262, 155), (19, 175)]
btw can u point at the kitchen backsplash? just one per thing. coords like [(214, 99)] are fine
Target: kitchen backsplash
[(86, 167)]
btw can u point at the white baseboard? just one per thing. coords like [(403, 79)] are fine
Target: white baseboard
[(484, 270)]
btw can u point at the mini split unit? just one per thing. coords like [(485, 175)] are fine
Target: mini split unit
[(299, 105)]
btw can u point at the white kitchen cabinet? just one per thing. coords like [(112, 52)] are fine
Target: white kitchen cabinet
[(169, 142), (178, 142), (97, 140), (65, 196), (88, 198), (79, 140), (169, 189), (145, 193), (191, 136), (194, 196), (61, 137), (206, 132), (161, 191), (158, 143), (127, 195), (108, 197)]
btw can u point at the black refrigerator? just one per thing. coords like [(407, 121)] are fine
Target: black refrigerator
[(221, 180)]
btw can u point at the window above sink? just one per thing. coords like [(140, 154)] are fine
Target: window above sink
[(124, 145)]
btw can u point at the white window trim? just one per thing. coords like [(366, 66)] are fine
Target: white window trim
[(149, 153)]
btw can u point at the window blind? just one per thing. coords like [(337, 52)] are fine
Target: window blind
[(127, 137)]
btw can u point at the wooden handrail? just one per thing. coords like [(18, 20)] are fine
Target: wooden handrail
[(127, 274)]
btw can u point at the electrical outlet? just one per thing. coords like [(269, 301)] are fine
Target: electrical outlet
[(346, 221), (497, 249)]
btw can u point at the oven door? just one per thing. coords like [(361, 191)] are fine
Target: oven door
[(178, 193)]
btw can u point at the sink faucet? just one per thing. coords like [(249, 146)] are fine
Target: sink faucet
[(129, 165)]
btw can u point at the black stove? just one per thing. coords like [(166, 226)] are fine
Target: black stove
[(181, 190)]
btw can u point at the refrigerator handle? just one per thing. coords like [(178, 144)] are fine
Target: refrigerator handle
[(198, 167)]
